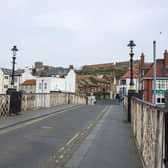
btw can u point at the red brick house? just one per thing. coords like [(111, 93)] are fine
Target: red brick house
[(147, 79)]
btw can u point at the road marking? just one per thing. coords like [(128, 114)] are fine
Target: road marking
[(61, 156), (26, 123), (46, 127), (64, 151), (72, 139), (80, 153)]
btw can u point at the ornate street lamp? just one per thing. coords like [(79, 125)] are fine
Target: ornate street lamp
[(14, 50), (131, 91), (131, 45)]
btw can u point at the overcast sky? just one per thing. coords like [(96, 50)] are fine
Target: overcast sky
[(78, 32)]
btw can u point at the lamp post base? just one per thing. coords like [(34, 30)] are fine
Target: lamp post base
[(131, 93)]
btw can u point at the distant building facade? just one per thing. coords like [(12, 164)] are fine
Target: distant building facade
[(147, 79), (92, 85), (28, 86), (57, 80), (5, 79), (124, 82)]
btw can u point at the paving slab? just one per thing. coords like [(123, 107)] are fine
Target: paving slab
[(109, 145)]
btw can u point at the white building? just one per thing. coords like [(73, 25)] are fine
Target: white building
[(20, 76), (4, 80), (124, 86), (124, 82), (27, 75), (62, 80)]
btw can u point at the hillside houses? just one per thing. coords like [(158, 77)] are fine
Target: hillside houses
[(40, 79)]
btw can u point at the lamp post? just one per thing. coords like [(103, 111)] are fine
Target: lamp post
[(131, 45), (14, 50), (131, 90)]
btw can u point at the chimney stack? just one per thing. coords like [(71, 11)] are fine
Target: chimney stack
[(166, 58)]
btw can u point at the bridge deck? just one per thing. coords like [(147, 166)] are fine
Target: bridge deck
[(110, 144)]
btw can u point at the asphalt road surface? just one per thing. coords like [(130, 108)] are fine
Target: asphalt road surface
[(46, 142)]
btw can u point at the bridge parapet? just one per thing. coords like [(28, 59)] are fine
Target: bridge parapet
[(150, 128), (147, 123), (40, 100)]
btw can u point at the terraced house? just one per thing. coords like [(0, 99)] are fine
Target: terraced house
[(147, 79)]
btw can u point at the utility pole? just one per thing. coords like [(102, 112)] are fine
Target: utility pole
[(154, 72)]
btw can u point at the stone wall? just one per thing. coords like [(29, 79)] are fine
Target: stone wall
[(38, 101), (147, 123)]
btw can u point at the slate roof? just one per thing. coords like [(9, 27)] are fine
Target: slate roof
[(6, 71), (57, 71), (51, 71)]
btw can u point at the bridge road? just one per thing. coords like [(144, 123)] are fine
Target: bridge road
[(82, 137), (32, 145)]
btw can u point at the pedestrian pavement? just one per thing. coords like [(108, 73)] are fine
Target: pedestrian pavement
[(109, 145), (10, 121)]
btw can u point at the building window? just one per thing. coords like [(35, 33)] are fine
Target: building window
[(162, 84), (40, 86), (142, 73), (160, 99), (15, 80), (123, 82), (163, 100), (5, 86), (6, 77), (45, 86)]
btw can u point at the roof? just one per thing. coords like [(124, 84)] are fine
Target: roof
[(147, 65), (161, 70), (19, 72), (29, 82), (86, 82), (135, 73), (51, 71), (6, 71), (57, 71)]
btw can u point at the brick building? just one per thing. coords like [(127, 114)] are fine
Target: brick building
[(147, 79), (88, 84)]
